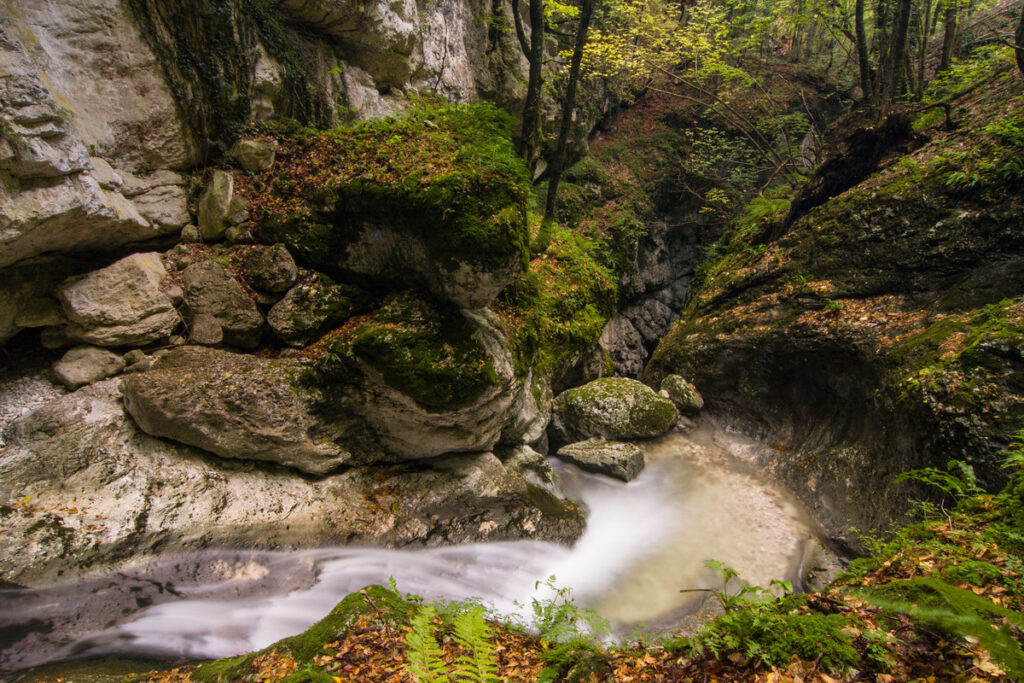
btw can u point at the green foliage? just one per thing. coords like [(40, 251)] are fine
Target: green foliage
[(957, 481), (559, 620), (425, 663), (478, 662), (937, 605)]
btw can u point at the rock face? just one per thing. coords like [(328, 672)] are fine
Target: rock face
[(87, 364), (614, 458), (612, 408), (211, 289), (135, 496), (120, 304), (235, 406)]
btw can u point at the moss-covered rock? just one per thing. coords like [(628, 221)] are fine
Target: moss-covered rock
[(613, 408), (312, 307), (881, 333), (686, 397), (435, 198)]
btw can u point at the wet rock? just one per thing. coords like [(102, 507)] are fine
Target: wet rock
[(310, 308), (211, 289), (686, 397), (253, 155), (119, 305), (612, 408), (613, 458), (85, 365), (269, 269), (136, 496), (215, 205), (235, 406)]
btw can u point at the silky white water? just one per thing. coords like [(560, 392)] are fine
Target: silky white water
[(644, 542)]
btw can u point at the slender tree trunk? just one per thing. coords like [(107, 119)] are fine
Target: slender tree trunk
[(530, 132), (568, 106), (922, 49), (890, 85), (863, 59), (949, 36), (1019, 40)]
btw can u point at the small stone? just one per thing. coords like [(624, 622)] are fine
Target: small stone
[(190, 234), (206, 330), (253, 155), (41, 312), (269, 269), (686, 397), (215, 205), (176, 294), (87, 364), (133, 356), (613, 458), (176, 340), (238, 211), (142, 366), (238, 235)]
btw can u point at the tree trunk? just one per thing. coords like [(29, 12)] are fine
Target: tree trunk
[(922, 50), (530, 132), (1019, 40), (891, 84), (949, 38), (568, 106), (863, 58)]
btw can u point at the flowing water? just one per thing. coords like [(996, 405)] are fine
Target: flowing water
[(697, 499)]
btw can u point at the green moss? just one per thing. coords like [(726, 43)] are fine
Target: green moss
[(555, 312), (429, 353), (447, 174)]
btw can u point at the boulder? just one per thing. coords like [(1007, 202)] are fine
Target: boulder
[(253, 155), (119, 305), (235, 406), (614, 458), (165, 207), (136, 496), (85, 365), (311, 308), (215, 205), (612, 408), (211, 289), (238, 213), (269, 269), (686, 397)]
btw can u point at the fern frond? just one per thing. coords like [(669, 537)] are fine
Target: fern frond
[(425, 662), (478, 664)]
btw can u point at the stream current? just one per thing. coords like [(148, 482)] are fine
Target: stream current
[(699, 498)]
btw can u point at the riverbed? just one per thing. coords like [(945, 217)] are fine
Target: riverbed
[(637, 564)]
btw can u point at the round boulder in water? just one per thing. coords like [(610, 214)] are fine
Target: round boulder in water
[(612, 408), (686, 397)]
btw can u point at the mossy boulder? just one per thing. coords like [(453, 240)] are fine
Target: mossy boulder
[(612, 408), (436, 198), (686, 397), (312, 307), (433, 379)]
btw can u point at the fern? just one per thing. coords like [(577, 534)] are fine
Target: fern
[(478, 663), (425, 663)]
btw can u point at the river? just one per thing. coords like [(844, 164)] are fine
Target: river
[(698, 499)]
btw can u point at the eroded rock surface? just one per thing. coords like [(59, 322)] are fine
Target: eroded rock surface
[(235, 406), (614, 458), (81, 487)]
